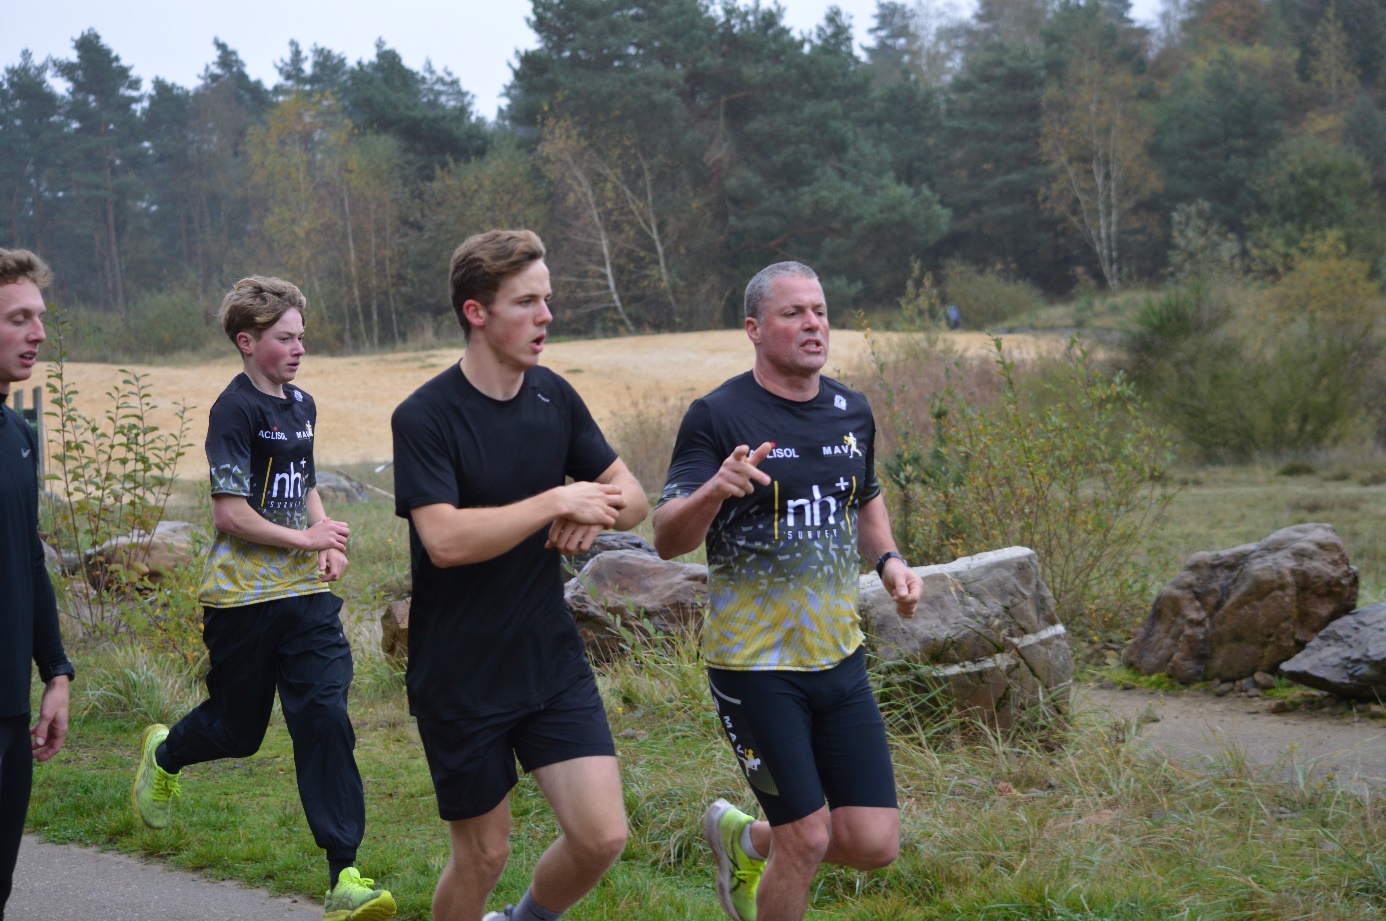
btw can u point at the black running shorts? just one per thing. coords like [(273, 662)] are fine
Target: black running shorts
[(472, 760), (806, 738)]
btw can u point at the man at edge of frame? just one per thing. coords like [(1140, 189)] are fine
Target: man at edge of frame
[(28, 611), (775, 471)]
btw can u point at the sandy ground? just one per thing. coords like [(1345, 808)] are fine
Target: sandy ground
[(356, 395)]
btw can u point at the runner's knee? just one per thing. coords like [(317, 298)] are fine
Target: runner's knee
[(873, 854), (803, 842), (600, 845)]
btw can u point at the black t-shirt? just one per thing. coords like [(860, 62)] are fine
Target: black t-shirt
[(261, 447), (782, 562), (28, 614), (495, 635)]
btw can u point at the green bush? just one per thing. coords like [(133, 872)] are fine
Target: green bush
[(1286, 370), (1061, 461), (166, 323), (986, 298), (113, 476)]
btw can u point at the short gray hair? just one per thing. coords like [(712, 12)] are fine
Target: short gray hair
[(758, 291)]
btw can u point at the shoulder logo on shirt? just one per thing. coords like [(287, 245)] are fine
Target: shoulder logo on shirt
[(848, 447), (840, 401), (298, 395), (274, 434), (24, 452), (307, 431), (542, 397)]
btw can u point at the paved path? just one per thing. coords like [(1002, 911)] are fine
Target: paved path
[(56, 882), (1195, 727)]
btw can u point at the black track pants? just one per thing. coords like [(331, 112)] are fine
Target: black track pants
[(295, 645), (16, 780)]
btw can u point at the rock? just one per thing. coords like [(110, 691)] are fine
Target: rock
[(1280, 706), (394, 631), (606, 542), (52, 559), (634, 592), (1347, 659), (335, 486), (1263, 681), (985, 631), (1225, 688), (150, 557), (1255, 692), (1231, 613), (1376, 711)]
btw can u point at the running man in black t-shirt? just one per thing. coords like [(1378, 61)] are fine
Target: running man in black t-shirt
[(497, 669), (269, 618), (785, 524), (28, 613)]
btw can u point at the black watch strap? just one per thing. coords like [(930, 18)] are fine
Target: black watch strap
[(62, 668), (888, 555)]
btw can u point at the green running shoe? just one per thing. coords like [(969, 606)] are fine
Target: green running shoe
[(357, 899), (154, 788), (738, 876)]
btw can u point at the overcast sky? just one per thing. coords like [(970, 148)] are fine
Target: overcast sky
[(476, 39)]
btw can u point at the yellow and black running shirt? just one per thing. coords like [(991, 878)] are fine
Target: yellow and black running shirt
[(782, 562), (261, 447)]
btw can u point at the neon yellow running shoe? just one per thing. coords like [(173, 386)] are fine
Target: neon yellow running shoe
[(738, 875), (154, 789), (357, 899)]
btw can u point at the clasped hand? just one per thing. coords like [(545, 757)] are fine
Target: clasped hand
[(588, 509)]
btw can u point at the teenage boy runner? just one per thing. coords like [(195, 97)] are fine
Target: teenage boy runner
[(784, 525), (269, 618), (28, 614), (497, 669)]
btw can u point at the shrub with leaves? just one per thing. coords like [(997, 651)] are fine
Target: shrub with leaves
[(986, 298), (113, 476), (1240, 372), (1064, 463)]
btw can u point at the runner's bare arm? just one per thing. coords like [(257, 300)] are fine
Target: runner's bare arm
[(233, 515), (680, 525), (461, 536), (874, 539)]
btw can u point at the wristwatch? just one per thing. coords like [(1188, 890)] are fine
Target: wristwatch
[(888, 555)]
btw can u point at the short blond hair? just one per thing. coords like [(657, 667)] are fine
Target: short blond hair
[(483, 262), (22, 265), (257, 303)]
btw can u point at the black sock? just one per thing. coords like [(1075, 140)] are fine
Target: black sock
[(335, 868), (162, 760)]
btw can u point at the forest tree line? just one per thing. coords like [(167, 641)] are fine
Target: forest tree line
[(666, 149)]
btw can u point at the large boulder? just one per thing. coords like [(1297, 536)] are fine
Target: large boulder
[(985, 631), (624, 595), (1347, 658), (148, 557), (394, 631), (336, 487), (1232, 613)]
